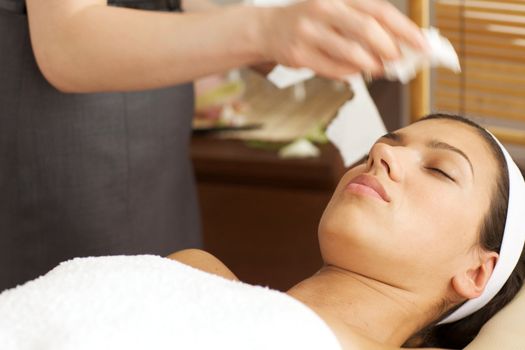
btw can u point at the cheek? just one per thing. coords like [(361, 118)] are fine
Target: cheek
[(437, 221), (350, 228), (348, 235)]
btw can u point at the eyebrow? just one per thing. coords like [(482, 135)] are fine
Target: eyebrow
[(434, 144), (445, 146)]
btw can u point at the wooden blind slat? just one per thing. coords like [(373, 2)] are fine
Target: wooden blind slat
[(481, 87), (490, 39), (489, 100), (498, 67), (478, 111)]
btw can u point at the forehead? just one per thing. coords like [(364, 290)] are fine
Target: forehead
[(444, 129)]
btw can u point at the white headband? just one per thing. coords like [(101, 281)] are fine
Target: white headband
[(511, 245)]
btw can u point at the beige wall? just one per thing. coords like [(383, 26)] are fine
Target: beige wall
[(401, 4)]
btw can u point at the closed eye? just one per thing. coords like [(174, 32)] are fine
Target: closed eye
[(442, 173)]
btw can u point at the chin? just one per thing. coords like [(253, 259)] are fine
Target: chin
[(349, 216), (341, 235)]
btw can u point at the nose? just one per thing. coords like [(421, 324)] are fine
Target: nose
[(385, 158)]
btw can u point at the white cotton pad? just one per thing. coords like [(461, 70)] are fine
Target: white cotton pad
[(441, 54)]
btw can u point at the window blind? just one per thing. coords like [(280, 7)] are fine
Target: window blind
[(489, 37)]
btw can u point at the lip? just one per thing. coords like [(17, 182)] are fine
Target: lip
[(368, 185)]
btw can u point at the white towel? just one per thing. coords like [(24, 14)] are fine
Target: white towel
[(149, 302)]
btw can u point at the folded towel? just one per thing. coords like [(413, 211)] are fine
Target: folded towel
[(149, 302)]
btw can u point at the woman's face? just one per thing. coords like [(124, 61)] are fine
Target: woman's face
[(411, 214)]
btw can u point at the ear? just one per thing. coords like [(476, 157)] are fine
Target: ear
[(470, 283)]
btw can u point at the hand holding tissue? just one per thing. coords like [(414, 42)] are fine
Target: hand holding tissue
[(334, 38), (358, 123)]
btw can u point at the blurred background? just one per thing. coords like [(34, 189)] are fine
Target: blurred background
[(261, 206)]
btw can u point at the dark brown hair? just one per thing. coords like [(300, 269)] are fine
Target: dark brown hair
[(458, 334)]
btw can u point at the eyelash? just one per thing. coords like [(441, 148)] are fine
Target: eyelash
[(441, 172)]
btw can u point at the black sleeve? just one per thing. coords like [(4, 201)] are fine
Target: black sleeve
[(154, 5)]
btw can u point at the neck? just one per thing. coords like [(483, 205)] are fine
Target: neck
[(352, 303)]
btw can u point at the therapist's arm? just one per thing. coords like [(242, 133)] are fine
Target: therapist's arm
[(87, 46)]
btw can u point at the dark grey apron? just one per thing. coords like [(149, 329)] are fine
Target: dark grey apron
[(87, 174)]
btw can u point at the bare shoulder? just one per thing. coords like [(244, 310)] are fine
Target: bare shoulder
[(204, 261)]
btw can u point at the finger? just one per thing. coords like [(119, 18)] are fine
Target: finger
[(376, 38), (327, 66), (358, 25), (393, 20), (335, 45)]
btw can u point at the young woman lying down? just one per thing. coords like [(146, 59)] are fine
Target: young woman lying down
[(422, 244)]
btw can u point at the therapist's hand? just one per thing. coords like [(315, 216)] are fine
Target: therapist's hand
[(337, 37)]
